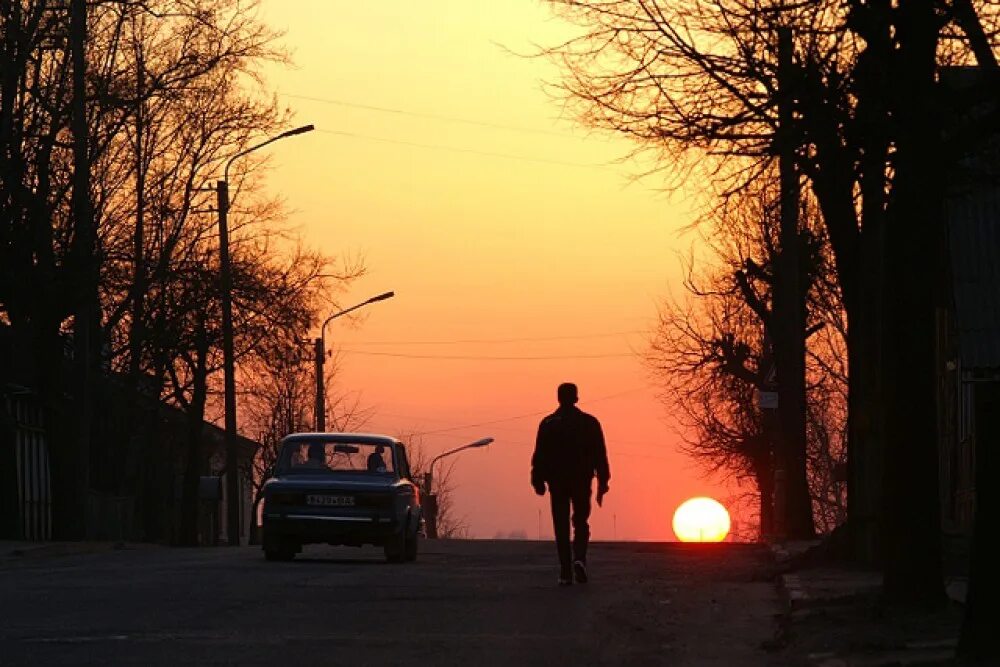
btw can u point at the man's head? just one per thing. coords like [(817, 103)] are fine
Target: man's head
[(567, 394)]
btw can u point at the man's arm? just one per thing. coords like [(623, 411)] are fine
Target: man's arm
[(539, 464), (601, 466)]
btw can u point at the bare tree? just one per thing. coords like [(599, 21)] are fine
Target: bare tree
[(450, 525), (713, 354)]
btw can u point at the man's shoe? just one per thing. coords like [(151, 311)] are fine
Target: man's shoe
[(580, 571), (565, 581)]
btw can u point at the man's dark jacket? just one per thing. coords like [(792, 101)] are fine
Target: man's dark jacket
[(570, 450)]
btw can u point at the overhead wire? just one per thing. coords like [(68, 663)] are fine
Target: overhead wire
[(463, 357), (490, 341), (431, 116), (519, 440), (459, 149), (529, 414), (447, 119), (523, 440)]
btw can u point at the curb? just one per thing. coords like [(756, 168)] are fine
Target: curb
[(26, 551), (914, 654)]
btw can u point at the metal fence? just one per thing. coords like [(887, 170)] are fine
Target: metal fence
[(31, 460)]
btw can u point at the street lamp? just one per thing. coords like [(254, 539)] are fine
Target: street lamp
[(228, 361), (320, 344), (430, 498)]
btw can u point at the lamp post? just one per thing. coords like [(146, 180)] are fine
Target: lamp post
[(430, 497), (228, 360), (320, 347)]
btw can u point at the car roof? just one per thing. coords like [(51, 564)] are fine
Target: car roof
[(362, 438)]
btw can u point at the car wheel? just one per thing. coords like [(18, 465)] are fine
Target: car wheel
[(395, 549), (410, 550)]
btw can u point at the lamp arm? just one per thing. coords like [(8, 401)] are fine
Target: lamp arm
[(229, 162), (380, 297), (322, 331), (441, 456)]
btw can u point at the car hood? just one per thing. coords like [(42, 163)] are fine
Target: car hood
[(342, 482)]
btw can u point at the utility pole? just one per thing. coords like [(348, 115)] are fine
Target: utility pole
[(430, 506), (430, 498), (73, 522), (228, 357), (320, 407), (228, 369), (320, 346)]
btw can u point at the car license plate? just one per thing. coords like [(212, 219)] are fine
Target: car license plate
[(330, 501)]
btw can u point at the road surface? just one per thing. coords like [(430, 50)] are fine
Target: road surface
[(462, 603)]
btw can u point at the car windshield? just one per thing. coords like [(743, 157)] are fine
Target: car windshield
[(312, 456)]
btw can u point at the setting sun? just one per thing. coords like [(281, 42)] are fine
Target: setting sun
[(701, 520)]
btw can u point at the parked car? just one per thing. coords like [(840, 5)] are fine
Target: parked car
[(341, 488)]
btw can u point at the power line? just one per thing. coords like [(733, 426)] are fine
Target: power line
[(460, 357), (522, 439), (486, 423), (528, 415), (458, 149), (431, 116), (614, 451), (462, 341)]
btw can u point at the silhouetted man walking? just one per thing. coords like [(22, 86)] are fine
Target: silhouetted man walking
[(569, 452)]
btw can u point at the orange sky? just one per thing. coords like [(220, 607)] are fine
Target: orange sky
[(513, 234)]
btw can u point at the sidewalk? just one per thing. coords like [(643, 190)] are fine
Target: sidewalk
[(12, 551), (834, 618)]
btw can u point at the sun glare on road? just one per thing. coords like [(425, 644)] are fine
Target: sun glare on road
[(701, 520)]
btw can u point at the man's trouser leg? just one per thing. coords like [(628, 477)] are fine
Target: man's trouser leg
[(581, 528), (560, 500)]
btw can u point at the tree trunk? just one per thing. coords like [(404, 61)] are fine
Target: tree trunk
[(912, 571), (765, 490), (193, 460), (137, 332), (789, 317), (866, 451)]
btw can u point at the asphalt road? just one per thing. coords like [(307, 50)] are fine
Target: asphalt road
[(464, 602)]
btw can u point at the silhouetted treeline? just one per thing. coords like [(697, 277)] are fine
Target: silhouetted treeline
[(701, 84), (116, 119)]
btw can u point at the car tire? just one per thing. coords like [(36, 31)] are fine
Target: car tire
[(410, 549), (395, 549)]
